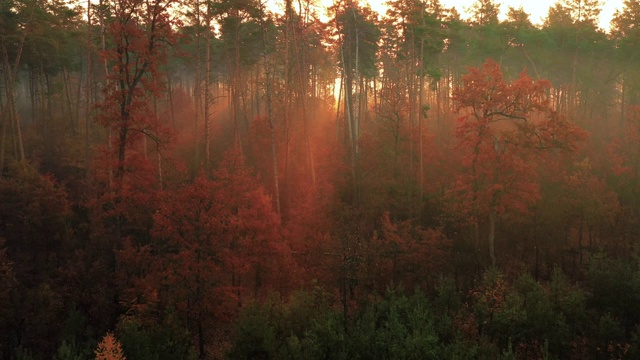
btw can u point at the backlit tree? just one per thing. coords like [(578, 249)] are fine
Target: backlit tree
[(505, 129)]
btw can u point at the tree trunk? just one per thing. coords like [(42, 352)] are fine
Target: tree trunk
[(172, 110), (67, 93), (420, 124), (88, 94), (11, 108), (302, 81), (207, 93), (272, 133), (196, 90), (105, 65), (349, 125), (3, 139), (338, 109), (492, 234)]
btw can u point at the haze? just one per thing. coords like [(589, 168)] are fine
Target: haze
[(225, 182)]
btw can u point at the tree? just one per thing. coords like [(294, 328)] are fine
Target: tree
[(485, 12), (34, 219), (583, 11), (140, 34), (505, 130), (403, 254), (269, 68), (109, 348), (17, 21), (215, 243), (522, 35), (52, 55), (357, 28), (242, 44), (421, 42), (571, 25), (487, 38), (626, 32)]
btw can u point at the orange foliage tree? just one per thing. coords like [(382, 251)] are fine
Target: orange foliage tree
[(109, 349), (506, 130)]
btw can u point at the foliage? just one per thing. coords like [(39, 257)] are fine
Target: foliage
[(506, 131), (155, 341), (390, 147), (109, 348), (398, 326)]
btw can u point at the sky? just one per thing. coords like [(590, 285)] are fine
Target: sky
[(538, 9)]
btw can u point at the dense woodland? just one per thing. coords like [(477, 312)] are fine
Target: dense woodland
[(212, 179)]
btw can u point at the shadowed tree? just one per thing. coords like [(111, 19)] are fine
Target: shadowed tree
[(357, 29), (626, 31)]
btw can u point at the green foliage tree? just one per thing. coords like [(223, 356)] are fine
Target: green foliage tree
[(625, 25)]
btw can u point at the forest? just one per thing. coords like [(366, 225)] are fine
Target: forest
[(241, 179)]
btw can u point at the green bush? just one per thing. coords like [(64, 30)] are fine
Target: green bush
[(306, 326), (159, 342)]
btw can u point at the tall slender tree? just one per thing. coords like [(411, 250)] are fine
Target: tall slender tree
[(357, 29)]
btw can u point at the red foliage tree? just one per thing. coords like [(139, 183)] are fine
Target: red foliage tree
[(505, 130), (406, 254), (214, 242), (141, 32), (138, 37)]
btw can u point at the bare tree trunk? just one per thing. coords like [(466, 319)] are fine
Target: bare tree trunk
[(207, 93), (338, 108), (88, 94), (420, 124), (302, 81), (45, 107), (274, 157), (196, 90), (103, 30), (287, 35), (157, 141), (67, 93), (622, 102), (12, 110), (172, 110), (349, 124), (410, 94), (492, 234), (3, 139), (236, 91), (11, 75), (356, 127)]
